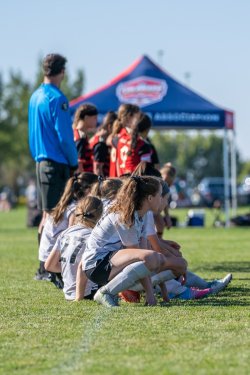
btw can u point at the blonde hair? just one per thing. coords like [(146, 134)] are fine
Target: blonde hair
[(88, 211), (131, 196), (106, 188), (168, 172)]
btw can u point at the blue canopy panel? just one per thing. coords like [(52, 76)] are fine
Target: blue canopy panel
[(169, 103)]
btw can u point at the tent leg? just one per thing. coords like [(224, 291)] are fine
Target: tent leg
[(226, 178), (233, 174)]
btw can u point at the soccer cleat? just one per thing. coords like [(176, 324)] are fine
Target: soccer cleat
[(105, 299), (219, 285), (46, 276), (192, 293), (57, 280), (130, 296)]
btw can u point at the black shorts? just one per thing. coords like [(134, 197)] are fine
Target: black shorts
[(100, 273), (51, 181)]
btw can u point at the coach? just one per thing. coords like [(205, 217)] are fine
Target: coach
[(51, 136)]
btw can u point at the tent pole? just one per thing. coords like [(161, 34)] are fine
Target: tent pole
[(233, 174), (226, 177)]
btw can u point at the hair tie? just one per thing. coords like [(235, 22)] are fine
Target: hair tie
[(100, 179), (88, 215), (76, 175), (137, 179)]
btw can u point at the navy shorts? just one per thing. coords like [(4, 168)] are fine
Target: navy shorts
[(100, 273), (51, 181)]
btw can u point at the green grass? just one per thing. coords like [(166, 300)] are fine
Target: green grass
[(41, 333)]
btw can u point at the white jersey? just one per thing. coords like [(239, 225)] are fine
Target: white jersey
[(106, 203), (52, 230), (110, 235), (71, 245), (150, 224)]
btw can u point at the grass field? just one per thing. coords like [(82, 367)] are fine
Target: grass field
[(41, 333)]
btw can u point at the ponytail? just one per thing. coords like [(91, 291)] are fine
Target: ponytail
[(131, 196), (144, 123), (75, 189)]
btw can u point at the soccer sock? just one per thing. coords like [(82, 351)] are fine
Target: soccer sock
[(127, 277), (41, 267), (39, 235), (196, 281), (173, 286), (156, 279)]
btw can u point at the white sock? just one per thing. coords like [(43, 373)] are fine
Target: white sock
[(156, 279), (196, 281), (126, 278), (173, 286)]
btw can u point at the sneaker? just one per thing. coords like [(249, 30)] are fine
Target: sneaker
[(46, 276), (57, 280), (105, 299), (219, 285), (130, 296), (192, 293)]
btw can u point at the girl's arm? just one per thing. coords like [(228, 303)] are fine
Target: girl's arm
[(167, 218), (164, 247), (147, 285), (81, 282), (164, 292), (52, 263), (71, 219)]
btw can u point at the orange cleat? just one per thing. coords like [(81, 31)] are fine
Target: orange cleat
[(130, 296)]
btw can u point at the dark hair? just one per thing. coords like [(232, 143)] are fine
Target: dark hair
[(165, 188), (84, 110), (53, 64), (131, 196), (108, 120), (144, 123), (145, 168)]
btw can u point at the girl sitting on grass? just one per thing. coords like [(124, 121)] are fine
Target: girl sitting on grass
[(69, 247), (116, 254), (195, 287), (62, 216)]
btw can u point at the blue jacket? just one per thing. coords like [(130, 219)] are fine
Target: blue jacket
[(50, 130)]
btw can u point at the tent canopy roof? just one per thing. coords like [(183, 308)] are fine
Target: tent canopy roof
[(169, 103)]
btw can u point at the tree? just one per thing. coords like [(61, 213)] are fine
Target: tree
[(194, 157)]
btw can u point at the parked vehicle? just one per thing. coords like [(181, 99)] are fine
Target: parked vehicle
[(211, 189), (244, 191)]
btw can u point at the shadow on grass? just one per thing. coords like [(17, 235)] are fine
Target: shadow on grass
[(218, 302), (226, 267), (232, 296)]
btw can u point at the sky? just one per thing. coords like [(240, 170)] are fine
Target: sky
[(203, 44)]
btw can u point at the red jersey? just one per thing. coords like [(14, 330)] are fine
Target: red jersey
[(85, 156), (128, 163), (101, 152), (113, 154)]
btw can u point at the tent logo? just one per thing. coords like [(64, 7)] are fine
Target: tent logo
[(142, 91)]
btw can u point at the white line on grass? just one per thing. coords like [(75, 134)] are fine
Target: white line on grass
[(75, 356)]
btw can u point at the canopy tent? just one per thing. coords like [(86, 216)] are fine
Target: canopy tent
[(170, 104)]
